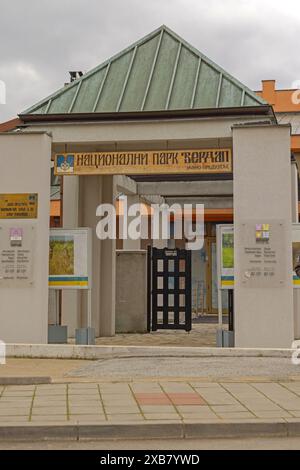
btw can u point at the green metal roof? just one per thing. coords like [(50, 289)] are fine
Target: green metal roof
[(159, 72)]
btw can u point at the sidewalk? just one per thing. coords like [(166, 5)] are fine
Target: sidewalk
[(144, 393), (150, 409)]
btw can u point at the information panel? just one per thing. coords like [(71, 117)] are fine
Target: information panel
[(225, 249), (296, 255), (225, 256), (70, 259), (17, 246), (261, 254), (18, 206)]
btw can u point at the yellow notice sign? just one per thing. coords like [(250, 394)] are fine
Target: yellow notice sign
[(145, 162), (18, 206)]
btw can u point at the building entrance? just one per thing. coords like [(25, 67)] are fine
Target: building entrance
[(204, 276)]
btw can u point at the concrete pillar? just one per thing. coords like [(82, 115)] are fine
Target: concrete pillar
[(25, 168), (262, 194), (70, 213), (129, 244), (94, 190), (90, 191), (107, 269), (159, 242)]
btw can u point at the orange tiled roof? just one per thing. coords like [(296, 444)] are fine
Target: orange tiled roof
[(10, 125)]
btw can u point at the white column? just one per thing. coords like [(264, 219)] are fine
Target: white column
[(25, 168), (262, 193), (90, 197), (128, 243), (160, 242), (70, 214), (107, 269), (95, 190)]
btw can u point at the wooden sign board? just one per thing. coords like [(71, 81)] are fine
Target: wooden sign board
[(145, 162), (18, 206)]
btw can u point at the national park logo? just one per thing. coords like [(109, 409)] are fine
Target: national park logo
[(65, 164)]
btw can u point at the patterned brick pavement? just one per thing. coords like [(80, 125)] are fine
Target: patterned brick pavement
[(149, 401)]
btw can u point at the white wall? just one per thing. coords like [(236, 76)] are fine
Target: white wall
[(25, 168), (124, 134), (262, 192)]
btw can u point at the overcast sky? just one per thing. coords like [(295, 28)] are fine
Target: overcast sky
[(40, 41)]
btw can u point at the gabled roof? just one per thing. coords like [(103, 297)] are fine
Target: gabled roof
[(159, 72)]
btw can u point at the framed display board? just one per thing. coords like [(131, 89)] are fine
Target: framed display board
[(296, 255), (70, 258), (225, 256)]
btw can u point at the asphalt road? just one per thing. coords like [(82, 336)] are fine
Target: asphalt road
[(212, 367), (263, 443)]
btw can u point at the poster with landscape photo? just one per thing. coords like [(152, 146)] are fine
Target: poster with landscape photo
[(227, 250), (61, 256)]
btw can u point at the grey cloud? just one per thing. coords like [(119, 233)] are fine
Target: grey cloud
[(40, 41)]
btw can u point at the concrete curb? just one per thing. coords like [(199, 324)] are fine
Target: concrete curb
[(157, 430), (25, 380), (69, 351)]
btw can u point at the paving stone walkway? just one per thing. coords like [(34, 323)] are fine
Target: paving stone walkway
[(202, 334), (121, 402)]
